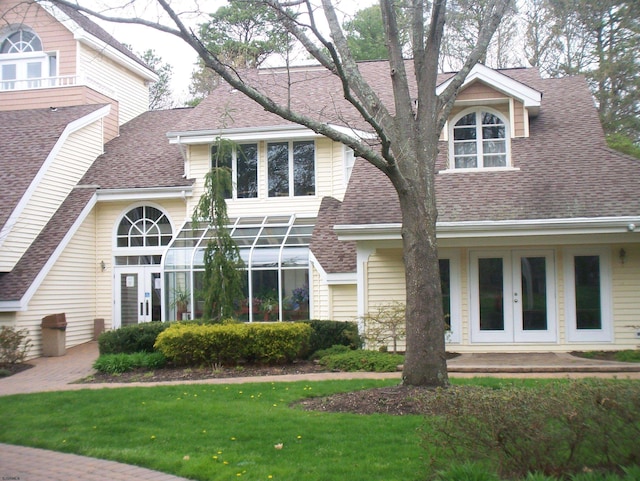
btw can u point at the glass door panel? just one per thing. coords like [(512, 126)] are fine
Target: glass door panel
[(139, 294), (129, 298)]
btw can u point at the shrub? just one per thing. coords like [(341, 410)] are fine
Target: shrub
[(13, 345), (231, 343), (362, 360), (130, 339), (555, 429), (337, 349), (330, 333), (119, 363)]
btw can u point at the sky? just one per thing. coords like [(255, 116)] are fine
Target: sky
[(171, 49)]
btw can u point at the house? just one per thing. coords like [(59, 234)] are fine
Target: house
[(538, 224)]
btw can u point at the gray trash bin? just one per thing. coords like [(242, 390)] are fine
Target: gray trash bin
[(54, 339)]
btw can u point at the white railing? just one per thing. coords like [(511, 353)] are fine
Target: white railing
[(54, 82)]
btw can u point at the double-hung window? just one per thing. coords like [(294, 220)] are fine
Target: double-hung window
[(291, 168), (479, 140), (242, 162)]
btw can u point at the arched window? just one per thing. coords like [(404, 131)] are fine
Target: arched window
[(144, 226), (479, 140), (21, 41)]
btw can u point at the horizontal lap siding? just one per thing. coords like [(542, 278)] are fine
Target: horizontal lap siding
[(71, 163), (109, 215), (626, 296), (344, 302), (70, 288), (130, 90), (320, 292)]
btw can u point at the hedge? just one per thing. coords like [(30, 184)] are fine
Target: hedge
[(130, 339), (229, 344)]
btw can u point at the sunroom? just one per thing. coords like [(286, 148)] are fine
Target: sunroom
[(275, 251)]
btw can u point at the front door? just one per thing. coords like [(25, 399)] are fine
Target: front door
[(513, 297), (139, 291)]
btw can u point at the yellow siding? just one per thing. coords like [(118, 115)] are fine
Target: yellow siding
[(115, 81), (70, 288), (108, 215), (328, 182), (71, 163), (320, 299), (385, 277), (344, 302), (626, 296)]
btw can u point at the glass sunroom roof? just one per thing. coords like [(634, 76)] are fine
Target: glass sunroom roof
[(264, 242)]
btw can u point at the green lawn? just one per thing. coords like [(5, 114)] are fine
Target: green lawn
[(224, 432), (219, 432)]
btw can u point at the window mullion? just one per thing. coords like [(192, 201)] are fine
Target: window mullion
[(479, 140)]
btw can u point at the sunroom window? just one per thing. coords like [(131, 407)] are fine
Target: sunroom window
[(479, 140), (275, 251)]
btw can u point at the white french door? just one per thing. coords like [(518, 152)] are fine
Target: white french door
[(138, 295), (513, 296)]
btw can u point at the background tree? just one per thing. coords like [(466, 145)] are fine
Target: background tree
[(160, 91), (241, 34), (407, 131), (223, 274)]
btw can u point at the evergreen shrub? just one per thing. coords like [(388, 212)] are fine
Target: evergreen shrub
[(130, 339), (331, 333)]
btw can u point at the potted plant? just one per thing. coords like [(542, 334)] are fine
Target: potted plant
[(269, 306), (181, 299)]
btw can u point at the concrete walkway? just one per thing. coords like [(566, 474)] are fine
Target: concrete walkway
[(61, 373)]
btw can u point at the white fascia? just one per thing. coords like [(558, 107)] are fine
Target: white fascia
[(69, 129), (150, 193), (506, 228), (86, 38), (22, 304), (243, 134), (531, 98)]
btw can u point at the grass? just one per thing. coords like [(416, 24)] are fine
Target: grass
[(225, 432)]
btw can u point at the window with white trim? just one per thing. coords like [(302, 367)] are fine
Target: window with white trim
[(349, 161), (588, 305), (292, 160), (144, 226), (478, 139), (23, 64), (242, 161)]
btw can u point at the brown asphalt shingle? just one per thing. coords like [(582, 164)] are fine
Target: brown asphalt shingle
[(26, 139), (334, 256)]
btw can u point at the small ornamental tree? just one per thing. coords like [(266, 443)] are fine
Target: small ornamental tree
[(223, 276)]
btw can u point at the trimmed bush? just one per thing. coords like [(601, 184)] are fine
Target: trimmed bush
[(119, 363), (229, 344), (362, 360), (331, 333), (131, 339), (555, 429)]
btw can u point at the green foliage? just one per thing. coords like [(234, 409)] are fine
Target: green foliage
[(223, 275), (467, 472), (13, 345), (119, 363), (557, 428), (330, 333), (623, 144), (628, 355), (330, 351), (160, 91), (365, 35), (129, 339), (228, 344), (362, 360)]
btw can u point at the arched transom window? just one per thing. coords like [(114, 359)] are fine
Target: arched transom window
[(21, 41), (144, 226), (479, 140)]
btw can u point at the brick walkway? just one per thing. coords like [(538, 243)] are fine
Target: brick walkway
[(59, 373)]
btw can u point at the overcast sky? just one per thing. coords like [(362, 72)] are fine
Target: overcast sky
[(170, 48)]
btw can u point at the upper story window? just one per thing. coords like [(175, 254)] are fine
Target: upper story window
[(23, 64), (349, 161), (242, 162), (144, 226), (479, 140), (291, 168)]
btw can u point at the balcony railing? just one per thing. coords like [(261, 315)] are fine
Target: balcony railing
[(55, 82)]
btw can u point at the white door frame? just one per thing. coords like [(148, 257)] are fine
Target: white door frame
[(510, 299), (138, 278)]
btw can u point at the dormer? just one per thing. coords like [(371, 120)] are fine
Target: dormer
[(51, 56), (490, 110)]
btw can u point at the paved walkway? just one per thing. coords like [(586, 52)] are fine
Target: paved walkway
[(19, 463)]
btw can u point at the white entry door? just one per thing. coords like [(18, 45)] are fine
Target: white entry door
[(138, 295), (513, 296)]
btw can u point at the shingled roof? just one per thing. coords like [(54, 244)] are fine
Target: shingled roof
[(564, 170), (334, 256), (26, 139), (141, 156)]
